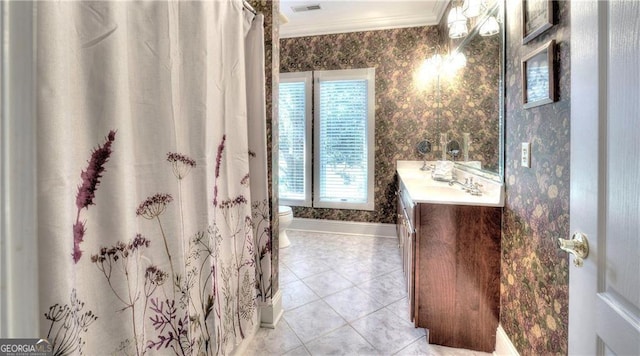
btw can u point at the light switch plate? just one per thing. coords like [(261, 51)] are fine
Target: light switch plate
[(525, 157)]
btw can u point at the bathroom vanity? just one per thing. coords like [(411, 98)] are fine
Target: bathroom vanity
[(450, 242)]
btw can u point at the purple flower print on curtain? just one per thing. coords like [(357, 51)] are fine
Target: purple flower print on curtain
[(211, 301), (234, 306), (164, 244), (181, 164), (67, 323), (172, 328), (151, 209), (87, 190), (262, 234), (123, 260), (217, 172)]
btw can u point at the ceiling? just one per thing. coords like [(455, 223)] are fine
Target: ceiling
[(337, 16)]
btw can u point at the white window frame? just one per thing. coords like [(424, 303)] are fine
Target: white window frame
[(367, 74), (307, 78)]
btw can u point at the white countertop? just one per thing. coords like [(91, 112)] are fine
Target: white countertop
[(423, 189)]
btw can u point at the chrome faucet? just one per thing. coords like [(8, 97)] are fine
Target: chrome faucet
[(465, 185), (468, 186), (475, 190), (428, 167)]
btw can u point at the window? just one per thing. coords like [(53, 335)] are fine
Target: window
[(343, 132), (344, 141), (294, 126)]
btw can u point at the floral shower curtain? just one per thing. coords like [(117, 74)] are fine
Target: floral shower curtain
[(152, 220)]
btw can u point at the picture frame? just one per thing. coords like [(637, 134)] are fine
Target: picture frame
[(538, 76), (537, 17)]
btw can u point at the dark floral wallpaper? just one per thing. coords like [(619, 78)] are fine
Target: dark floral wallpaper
[(534, 283), (405, 114)]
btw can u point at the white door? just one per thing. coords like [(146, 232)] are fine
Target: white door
[(604, 294)]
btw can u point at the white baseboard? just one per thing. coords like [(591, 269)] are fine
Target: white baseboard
[(271, 314), (504, 346), (344, 227)]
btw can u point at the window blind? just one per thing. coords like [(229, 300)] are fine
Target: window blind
[(343, 119), (292, 130)]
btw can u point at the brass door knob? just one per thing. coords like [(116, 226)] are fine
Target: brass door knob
[(578, 246)]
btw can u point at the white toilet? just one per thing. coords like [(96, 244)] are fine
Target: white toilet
[(286, 217)]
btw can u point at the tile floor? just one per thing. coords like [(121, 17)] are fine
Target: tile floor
[(344, 295)]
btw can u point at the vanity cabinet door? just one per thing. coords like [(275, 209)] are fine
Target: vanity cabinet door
[(406, 240), (458, 275), (410, 275), (400, 221)]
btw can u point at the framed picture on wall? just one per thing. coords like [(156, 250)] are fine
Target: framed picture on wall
[(538, 76), (537, 17)]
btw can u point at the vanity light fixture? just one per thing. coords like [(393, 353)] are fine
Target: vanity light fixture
[(458, 30), (472, 8), (457, 23), (456, 14), (490, 27)]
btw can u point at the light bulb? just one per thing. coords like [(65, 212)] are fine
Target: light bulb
[(459, 60), (428, 71)]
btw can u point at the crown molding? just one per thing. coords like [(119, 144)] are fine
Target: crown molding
[(291, 30)]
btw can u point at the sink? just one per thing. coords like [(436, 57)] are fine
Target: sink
[(443, 190), (423, 189)]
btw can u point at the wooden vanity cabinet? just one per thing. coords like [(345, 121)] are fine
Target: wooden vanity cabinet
[(455, 273)]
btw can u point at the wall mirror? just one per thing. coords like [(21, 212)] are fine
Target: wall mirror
[(473, 103)]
